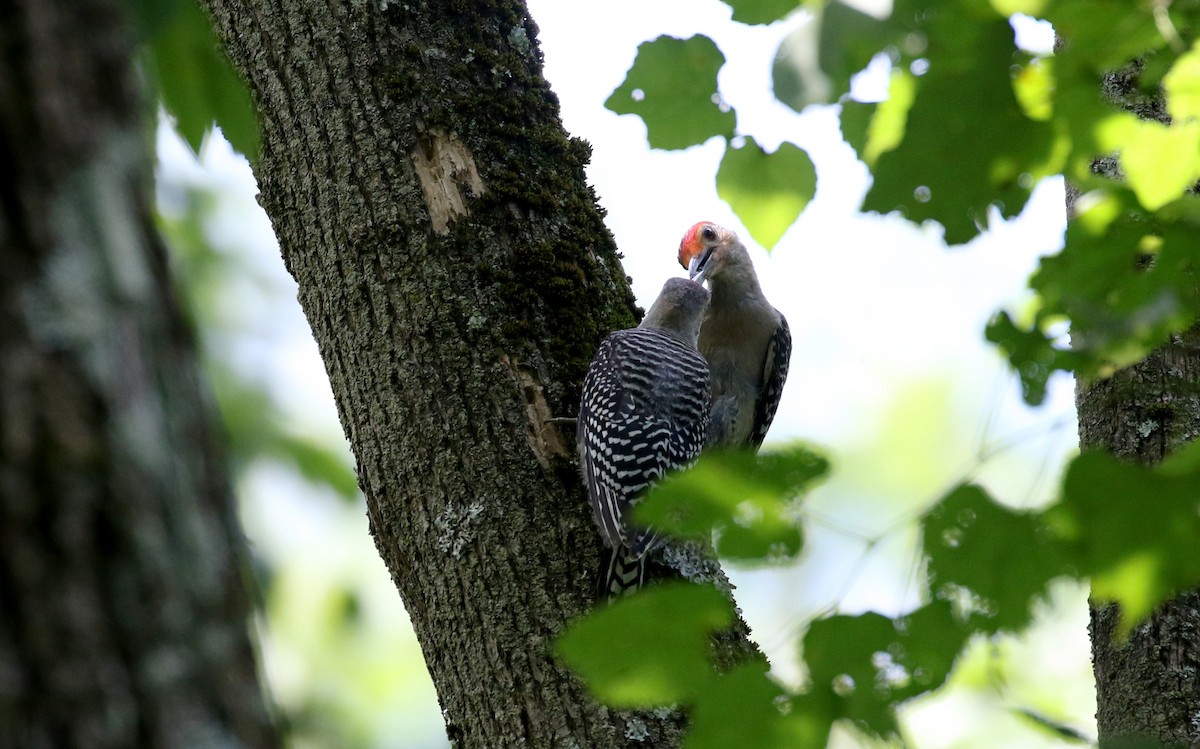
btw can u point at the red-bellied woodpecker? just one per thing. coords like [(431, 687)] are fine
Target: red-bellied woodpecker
[(643, 412), (745, 340)]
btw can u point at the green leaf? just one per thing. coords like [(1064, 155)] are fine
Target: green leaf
[(650, 649), (1182, 87), (1004, 557), (748, 499), (767, 191), (196, 83), (856, 117), (1160, 161), (932, 637), (1124, 279), (153, 15), (1029, 7), (743, 708), (253, 426), (316, 462), (1128, 30), (1133, 529), (1033, 86), (758, 12), (866, 665), (1031, 353), (795, 78), (845, 39), (848, 40), (672, 86), (967, 145), (887, 127), (840, 654)]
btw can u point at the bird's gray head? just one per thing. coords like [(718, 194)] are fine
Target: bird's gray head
[(679, 309)]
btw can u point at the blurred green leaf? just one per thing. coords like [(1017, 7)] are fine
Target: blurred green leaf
[(672, 86), (1031, 353), (1124, 279), (1127, 31), (812, 719), (1182, 86), (967, 145), (745, 707), (315, 461), (748, 499), (767, 191), (865, 665), (887, 127), (1029, 7), (762, 11), (848, 40), (855, 118), (1004, 557), (796, 80), (154, 15), (1159, 161), (197, 84), (932, 637), (252, 423), (1033, 85), (649, 649), (1133, 529)]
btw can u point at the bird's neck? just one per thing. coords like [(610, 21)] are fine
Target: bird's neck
[(736, 290)]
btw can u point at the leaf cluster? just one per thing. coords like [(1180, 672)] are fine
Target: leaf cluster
[(1131, 530), (672, 86)]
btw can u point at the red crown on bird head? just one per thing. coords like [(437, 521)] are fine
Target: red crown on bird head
[(690, 246)]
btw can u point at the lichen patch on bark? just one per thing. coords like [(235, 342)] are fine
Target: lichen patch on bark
[(445, 168)]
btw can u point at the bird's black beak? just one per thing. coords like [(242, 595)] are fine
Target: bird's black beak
[(699, 265)]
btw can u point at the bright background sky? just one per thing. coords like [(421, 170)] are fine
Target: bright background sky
[(890, 376)]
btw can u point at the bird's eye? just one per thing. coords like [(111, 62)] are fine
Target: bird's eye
[(708, 233)]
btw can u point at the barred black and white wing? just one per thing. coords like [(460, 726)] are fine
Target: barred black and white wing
[(775, 371), (643, 412)]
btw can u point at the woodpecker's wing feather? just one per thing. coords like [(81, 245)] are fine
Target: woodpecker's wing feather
[(775, 371), (643, 411)]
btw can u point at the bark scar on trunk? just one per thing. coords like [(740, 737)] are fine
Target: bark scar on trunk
[(540, 430), (445, 167)]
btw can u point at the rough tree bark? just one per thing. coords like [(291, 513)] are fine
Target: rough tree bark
[(458, 277), (123, 609), (1149, 686)]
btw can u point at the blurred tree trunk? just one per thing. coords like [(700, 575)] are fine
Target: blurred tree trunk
[(1148, 687), (458, 276), (124, 612)]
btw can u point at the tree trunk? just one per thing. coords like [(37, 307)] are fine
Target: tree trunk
[(1149, 686), (123, 609), (458, 277)]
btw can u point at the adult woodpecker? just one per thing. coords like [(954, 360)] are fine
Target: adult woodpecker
[(745, 340), (643, 412)]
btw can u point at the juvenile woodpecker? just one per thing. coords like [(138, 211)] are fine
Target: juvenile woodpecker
[(643, 412), (745, 340)]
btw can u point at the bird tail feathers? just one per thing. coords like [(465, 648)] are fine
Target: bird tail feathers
[(621, 574)]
